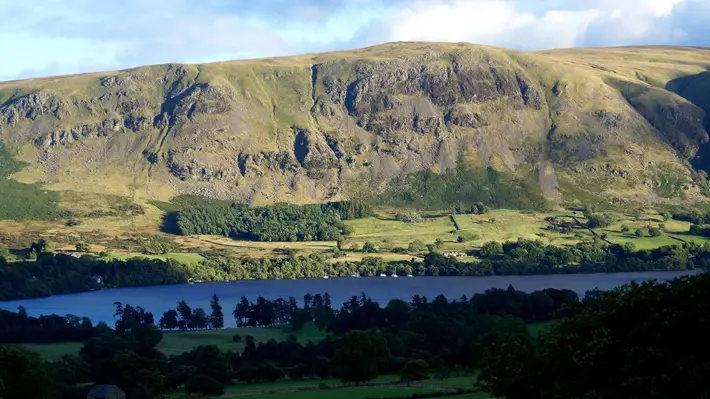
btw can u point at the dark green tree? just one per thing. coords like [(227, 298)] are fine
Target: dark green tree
[(199, 318), (205, 385), (492, 248), (23, 374), (185, 313), (359, 355), (369, 247), (216, 317), (414, 370), (169, 321), (619, 343)]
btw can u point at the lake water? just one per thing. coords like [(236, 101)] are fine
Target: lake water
[(98, 305)]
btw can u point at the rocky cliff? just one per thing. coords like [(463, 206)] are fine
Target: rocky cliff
[(624, 123)]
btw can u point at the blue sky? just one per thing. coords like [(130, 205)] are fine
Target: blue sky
[(50, 37)]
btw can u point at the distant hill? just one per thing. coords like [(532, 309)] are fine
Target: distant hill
[(423, 123)]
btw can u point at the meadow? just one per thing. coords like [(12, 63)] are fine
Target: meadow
[(394, 240), (177, 342), (384, 386)]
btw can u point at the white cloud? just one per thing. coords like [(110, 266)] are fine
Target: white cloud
[(513, 24), (54, 36), (489, 22)]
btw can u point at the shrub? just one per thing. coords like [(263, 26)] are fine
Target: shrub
[(204, 385), (491, 249), (369, 247), (416, 246), (415, 370), (654, 232), (599, 220)]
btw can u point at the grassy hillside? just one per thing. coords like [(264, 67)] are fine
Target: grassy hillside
[(610, 126)]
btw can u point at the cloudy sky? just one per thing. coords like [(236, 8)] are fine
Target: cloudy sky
[(49, 37)]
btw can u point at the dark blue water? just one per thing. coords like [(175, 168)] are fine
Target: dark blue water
[(98, 305)]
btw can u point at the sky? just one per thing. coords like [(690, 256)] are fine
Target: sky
[(52, 37)]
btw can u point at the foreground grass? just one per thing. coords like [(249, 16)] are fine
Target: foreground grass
[(343, 393), (334, 388), (177, 342), (55, 351)]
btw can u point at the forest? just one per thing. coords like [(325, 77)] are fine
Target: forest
[(53, 274), (636, 341), (135, 334), (279, 222)]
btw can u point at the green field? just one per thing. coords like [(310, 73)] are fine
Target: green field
[(55, 351), (182, 257), (343, 393), (177, 342), (334, 388), (291, 385)]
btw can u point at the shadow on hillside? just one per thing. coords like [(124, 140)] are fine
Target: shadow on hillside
[(694, 88), (169, 224)]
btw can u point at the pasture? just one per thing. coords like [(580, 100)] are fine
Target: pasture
[(177, 342)]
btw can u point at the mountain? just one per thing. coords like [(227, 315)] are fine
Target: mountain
[(401, 120)]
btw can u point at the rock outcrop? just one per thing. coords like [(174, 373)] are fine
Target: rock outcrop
[(305, 128)]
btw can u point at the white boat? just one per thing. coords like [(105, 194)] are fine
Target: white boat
[(409, 275), (383, 275), (394, 275), (395, 272), (355, 276), (325, 276)]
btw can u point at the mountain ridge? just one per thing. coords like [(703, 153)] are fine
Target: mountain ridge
[(586, 125)]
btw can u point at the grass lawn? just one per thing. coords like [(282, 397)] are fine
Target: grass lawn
[(177, 342), (289, 385), (181, 341), (342, 393), (393, 233), (508, 225), (55, 351), (291, 389)]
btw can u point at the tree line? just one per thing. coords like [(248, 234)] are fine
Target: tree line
[(18, 327), (365, 339), (636, 341), (53, 274), (524, 257), (279, 222)]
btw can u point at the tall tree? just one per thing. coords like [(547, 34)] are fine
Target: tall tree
[(216, 317), (185, 313), (199, 319), (169, 321)]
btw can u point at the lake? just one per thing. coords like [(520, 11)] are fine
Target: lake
[(98, 305)]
